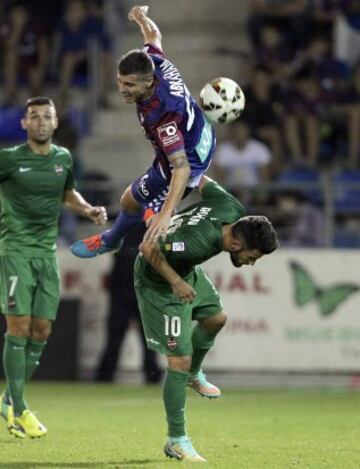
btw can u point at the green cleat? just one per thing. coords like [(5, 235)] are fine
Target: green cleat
[(200, 384), (181, 448), (28, 423)]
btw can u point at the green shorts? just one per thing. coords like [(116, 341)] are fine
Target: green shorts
[(29, 286), (167, 321)]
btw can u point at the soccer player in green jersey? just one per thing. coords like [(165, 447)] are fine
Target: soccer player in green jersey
[(36, 180), (172, 290)]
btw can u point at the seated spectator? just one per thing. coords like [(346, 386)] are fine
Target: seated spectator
[(301, 224), (263, 111), (347, 32), (242, 162), (75, 31), (25, 52), (302, 120)]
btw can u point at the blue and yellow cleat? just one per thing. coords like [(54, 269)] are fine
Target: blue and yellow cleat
[(91, 247), (181, 448), (200, 384)]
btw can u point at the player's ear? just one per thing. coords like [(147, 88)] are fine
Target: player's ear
[(56, 123), (23, 123), (236, 245)]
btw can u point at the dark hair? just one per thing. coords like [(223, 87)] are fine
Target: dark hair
[(257, 232), (38, 101), (136, 62)]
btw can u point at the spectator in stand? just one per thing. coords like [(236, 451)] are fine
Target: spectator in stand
[(300, 223), (25, 52), (80, 25), (242, 162), (302, 120), (263, 113)]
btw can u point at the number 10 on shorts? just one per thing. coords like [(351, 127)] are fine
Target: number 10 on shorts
[(172, 326)]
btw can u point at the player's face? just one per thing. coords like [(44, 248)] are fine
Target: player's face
[(134, 88), (40, 121), (245, 257)]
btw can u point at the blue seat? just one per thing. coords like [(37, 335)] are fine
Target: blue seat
[(10, 128), (347, 191), (304, 180)]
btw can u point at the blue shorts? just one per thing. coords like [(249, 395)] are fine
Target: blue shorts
[(151, 189)]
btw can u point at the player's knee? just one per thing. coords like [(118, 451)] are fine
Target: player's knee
[(215, 323), (182, 363), (19, 326), (128, 202), (41, 330)]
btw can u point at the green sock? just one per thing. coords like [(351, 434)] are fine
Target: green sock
[(33, 353), (174, 394), (202, 341), (14, 367)]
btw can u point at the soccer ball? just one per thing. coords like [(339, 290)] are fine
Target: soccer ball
[(222, 100)]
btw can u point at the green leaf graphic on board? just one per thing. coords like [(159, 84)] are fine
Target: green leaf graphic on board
[(328, 299)]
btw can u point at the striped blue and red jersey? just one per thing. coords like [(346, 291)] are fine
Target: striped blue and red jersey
[(173, 121)]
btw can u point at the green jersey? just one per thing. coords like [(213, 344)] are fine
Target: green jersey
[(195, 234), (31, 194)]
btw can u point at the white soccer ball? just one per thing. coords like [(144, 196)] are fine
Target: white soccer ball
[(222, 100)]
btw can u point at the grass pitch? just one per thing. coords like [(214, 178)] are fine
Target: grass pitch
[(113, 426)]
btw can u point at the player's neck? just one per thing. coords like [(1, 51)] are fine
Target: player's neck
[(40, 148)]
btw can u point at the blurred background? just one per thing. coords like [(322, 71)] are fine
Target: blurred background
[(293, 156)]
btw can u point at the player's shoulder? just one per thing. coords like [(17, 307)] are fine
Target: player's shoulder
[(12, 152), (59, 151)]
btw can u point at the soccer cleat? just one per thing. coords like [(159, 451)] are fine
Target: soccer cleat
[(181, 448), (7, 412), (90, 247), (200, 384), (29, 424)]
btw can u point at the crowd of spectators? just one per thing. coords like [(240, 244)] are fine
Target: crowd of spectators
[(301, 79), (47, 42)]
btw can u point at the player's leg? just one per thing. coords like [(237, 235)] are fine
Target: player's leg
[(45, 304), (210, 320), (167, 328)]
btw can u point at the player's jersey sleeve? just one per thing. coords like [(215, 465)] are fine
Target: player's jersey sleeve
[(169, 135), (153, 50), (70, 182), (7, 164)]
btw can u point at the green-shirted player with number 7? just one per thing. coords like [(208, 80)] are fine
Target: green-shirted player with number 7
[(36, 179), (173, 290)]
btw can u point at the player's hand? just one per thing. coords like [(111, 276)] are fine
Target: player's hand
[(183, 291), (157, 227), (98, 215), (137, 12)]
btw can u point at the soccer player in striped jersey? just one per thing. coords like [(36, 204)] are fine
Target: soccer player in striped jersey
[(182, 138)]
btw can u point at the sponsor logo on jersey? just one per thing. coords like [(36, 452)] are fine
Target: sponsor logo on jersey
[(178, 247), (24, 170), (59, 169), (168, 134), (142, 189), (171, 343)]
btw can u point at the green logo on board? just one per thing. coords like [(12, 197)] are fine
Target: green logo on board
[(328, 299)]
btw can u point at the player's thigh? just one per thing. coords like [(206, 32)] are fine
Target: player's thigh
[(17, 285), (166, 321), (47, 293), (207, 303)]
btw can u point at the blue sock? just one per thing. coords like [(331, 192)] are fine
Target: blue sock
[(122, 225)]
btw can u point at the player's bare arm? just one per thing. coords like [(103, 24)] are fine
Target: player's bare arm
[(158, 261), (159, 223), (148, 28), (76, 203)]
